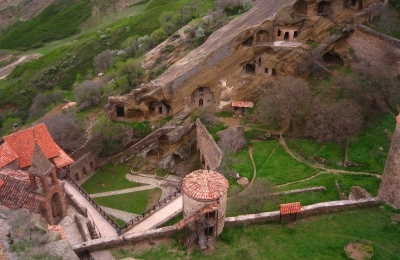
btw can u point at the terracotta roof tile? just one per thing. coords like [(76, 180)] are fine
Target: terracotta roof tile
[(20, 175), (242, 104), (16, 194), (7, 154), (290, 208), (23, 143), (205, 185), (63, 159)]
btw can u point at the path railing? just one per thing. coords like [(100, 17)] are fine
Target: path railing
[(94, 204), (136, 220)]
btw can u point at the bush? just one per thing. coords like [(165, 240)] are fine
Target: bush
[(88, 93)]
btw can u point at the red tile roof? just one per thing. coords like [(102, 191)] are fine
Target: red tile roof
[(16, 194), (242, 104), (205, 185), (290, 208), (20, 175), (63, 159), (23, 143), (7, 155)]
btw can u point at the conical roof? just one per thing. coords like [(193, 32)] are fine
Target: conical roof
[(205, 185), (40, 164)]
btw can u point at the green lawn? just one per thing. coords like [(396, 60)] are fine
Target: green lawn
[(317, 237), (109, 178), (280, 167), (135, 202), (365, 149)]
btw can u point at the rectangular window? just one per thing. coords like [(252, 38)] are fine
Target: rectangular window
[(279, 32), (266, 70)]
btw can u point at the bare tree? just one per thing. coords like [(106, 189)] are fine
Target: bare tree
[(88, 93), (104, 60), (284, 105), (255, 198), (232, 139), (334, 122), (67, 130), (379, 86), (388, 20), (43, 100)]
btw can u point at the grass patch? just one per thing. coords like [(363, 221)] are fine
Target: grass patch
[(173, 220), (119, 221), (213, 129), (319, 237), (223, 114), (365, 149), (109, 178), (279, 167), (135, 202), (332, 152)]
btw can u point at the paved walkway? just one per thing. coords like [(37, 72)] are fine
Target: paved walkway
[(116, 192), (162, 215), (105, 228), (125, 216)]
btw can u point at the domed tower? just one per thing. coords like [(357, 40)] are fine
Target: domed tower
[(204, 204), (389, 190)]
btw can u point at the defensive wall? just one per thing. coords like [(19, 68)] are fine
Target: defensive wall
[(243, 220)]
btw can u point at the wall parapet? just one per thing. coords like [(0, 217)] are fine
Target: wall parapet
[(393, 41)]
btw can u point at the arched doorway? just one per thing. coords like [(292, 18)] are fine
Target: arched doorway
[(200, 102), (286, 36)]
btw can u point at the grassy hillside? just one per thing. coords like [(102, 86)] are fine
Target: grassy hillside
[(59, 20)]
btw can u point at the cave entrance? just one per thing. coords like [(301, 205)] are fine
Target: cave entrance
[(332, 59), (120, 111)]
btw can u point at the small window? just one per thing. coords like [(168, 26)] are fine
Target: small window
[(120, 111), (273, 72), (211, 214), (208, 101), (279, 32), (295, 34), (266, 70), (201, 89)]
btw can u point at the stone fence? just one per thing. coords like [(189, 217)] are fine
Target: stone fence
[(243, 220), (315, 209), (392, 41)]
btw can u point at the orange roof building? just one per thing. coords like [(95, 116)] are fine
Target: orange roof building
[(18, 148), (204, 203)]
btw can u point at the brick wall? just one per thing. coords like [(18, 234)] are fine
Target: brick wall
[(208, 147)]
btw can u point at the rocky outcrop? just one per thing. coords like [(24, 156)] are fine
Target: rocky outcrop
[(245, 55)]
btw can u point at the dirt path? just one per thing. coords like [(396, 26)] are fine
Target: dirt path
[(7, 69), (251, 149), (283, 143)]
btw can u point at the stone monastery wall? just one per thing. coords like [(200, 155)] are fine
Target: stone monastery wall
[(210, 153)]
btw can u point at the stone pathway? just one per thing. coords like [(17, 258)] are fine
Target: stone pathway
[(70, 228), (105, 228), (125, 216), (159, 217), (117, 192)]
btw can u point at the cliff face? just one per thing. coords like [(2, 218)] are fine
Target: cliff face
[(240, 58)]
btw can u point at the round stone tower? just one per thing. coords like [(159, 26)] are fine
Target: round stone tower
[(204, 201), (389, 190)]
